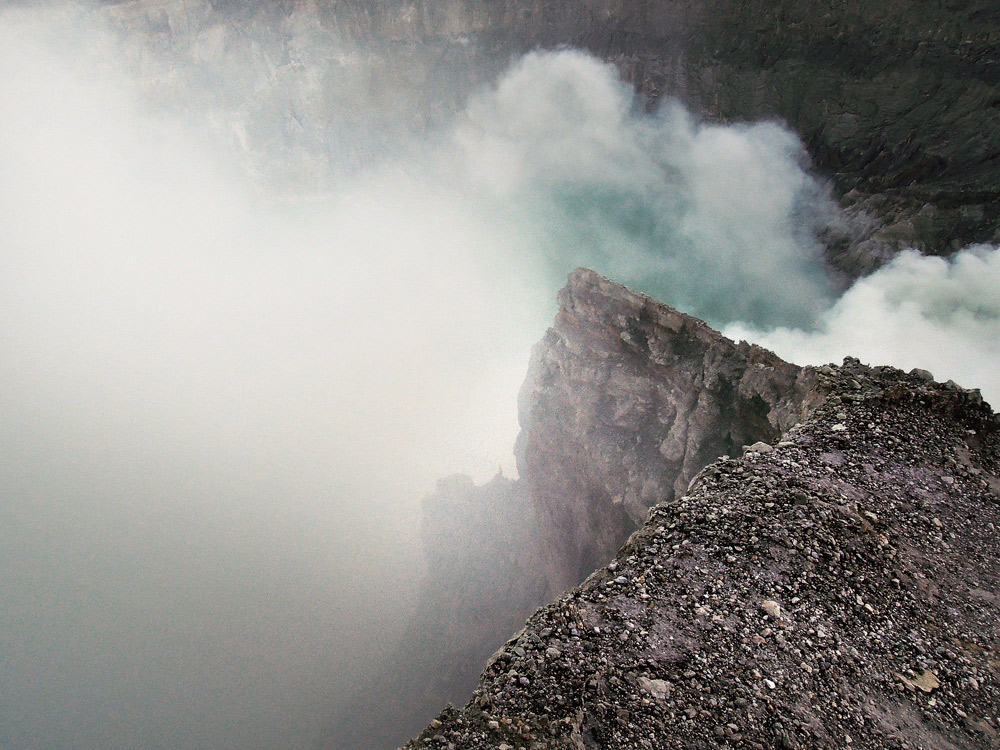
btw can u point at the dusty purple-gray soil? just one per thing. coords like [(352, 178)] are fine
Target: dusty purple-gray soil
[(837, 589)]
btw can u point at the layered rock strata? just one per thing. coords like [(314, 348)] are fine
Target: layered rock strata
[(625, 400), (898, 102), (836, 589)]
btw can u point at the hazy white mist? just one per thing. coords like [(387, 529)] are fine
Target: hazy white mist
[(258, 290), (936, 314)]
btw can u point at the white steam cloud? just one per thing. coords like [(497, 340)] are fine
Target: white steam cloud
[(711, 219), (936, 314), (258, 290)]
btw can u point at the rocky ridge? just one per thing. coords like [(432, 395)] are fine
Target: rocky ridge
[(625, 400), (837, 588)]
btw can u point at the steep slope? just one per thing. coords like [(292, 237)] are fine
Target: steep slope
[(481, 550), (840, 588), (625, 400)]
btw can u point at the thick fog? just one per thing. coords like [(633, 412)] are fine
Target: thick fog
[(259, 289), (932, 313)]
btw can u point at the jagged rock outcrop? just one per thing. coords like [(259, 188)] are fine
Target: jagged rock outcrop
[(626, 399), (839, 588)]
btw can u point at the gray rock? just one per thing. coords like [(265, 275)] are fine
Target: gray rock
[(883, 614), (659, 689)]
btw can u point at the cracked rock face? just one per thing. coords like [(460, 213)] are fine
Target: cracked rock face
[(626, 399), (840, 589)]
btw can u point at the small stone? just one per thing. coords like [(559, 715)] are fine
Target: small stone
[(772, 608), (493, 724), (552, 652), (921, 374), (927, 681), (659, 689), (759, 447)]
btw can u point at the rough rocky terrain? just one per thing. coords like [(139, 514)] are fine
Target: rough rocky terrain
[(897, 104), (625, 400), (838, 588)]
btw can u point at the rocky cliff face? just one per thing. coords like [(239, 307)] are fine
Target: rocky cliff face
[(626, 399), (836, 589), (897, 102)]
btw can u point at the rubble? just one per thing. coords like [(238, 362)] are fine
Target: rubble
[(831, 592)]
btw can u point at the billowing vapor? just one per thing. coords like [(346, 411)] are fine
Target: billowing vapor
[(709, 218), (935, 314), (221, 406), (259, 290)]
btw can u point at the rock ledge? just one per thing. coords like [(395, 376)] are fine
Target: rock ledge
[(838, 590)]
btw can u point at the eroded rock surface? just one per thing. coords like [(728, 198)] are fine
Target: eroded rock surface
[(839, 589), (626, 399)]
